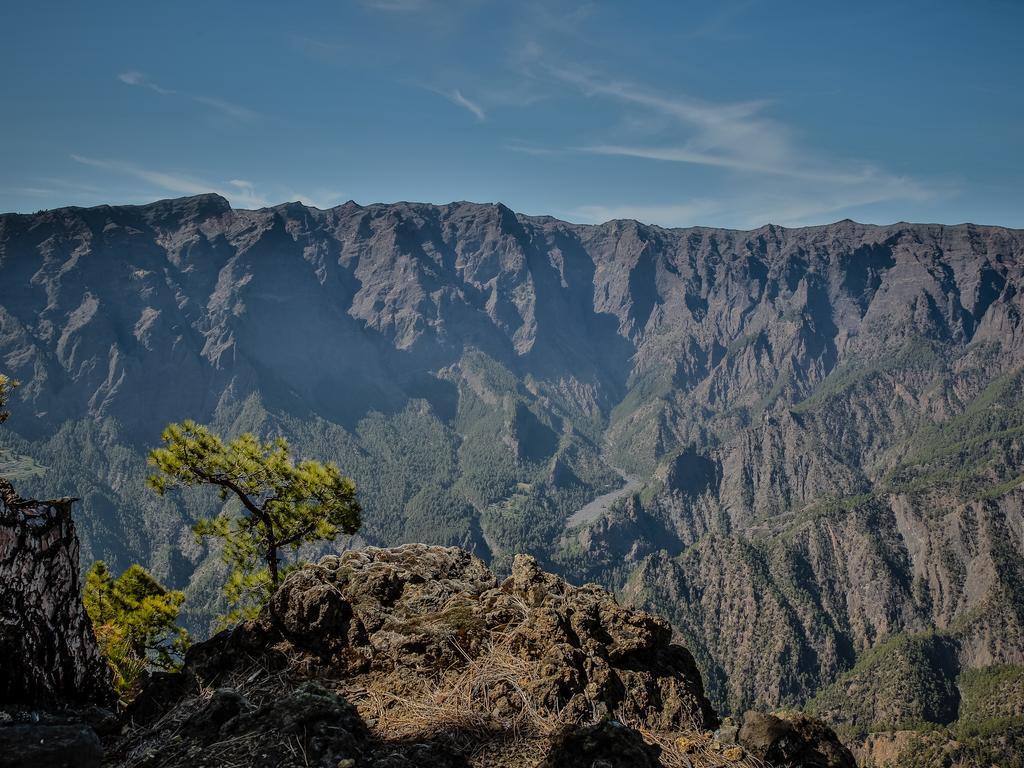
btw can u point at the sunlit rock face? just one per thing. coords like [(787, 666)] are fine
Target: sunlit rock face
[(826, 422)]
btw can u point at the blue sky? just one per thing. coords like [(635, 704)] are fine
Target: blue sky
[(723, 113)]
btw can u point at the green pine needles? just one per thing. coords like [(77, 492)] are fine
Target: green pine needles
[(284, 504), (134, 618)]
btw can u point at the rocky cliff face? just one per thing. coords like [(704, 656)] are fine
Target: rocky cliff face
[(46, 639), (53, 682), (827, 420)]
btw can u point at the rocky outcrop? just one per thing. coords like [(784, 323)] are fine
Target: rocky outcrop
[(393, 615), (386, 657), (792, 739)]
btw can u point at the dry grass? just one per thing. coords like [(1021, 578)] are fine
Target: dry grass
[(474, 698), (257, 683), (476, 707), (481, 708), (694, 749)]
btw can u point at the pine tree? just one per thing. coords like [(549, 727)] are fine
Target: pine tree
[(284, 504), (134, 617)]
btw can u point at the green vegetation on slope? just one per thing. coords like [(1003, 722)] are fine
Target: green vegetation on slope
[(989, 730), (914, 683), (902, 683)]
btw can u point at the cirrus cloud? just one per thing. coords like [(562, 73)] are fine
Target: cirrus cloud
[(227, 108)]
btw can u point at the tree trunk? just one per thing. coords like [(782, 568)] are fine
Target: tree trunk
[(48, 653), (272, 564)]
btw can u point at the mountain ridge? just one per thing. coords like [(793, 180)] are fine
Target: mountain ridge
[(225, 203), (827, 420)]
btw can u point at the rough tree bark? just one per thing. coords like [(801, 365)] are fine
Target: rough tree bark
[(48, 653)]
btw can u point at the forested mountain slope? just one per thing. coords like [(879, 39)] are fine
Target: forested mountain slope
[(829, 421)]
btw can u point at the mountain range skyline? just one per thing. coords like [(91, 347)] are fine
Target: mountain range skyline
[(498, 204), (804, 448), (731, 114)]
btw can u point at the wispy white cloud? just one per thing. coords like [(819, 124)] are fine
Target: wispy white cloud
[(686, 108), (556, 21), (744, 210), (235, 111), (735, 136), (317, 198), (752, 165), (783, 180), (455, 97), (55, 183), (137, 78), (245, 189), (166, 181), (54, 191), (230, 109), (28, 191), (237, 190), (530, 149), (806, 209), (242, 193), (731, 135)]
